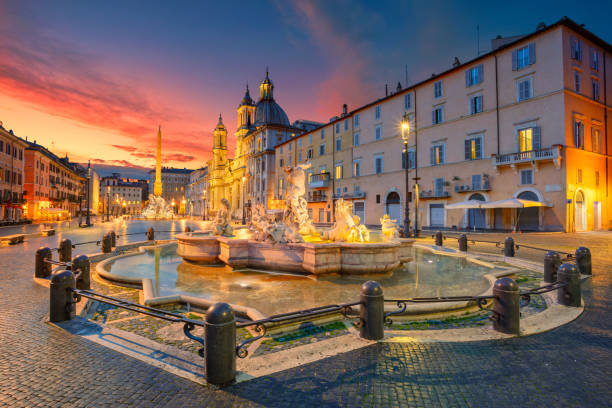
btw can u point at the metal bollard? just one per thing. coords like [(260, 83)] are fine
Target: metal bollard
[(107, 243), (61, 300), (509, 247), (150, 234), (113, 239), (583, 260), (372, 311), (65, 250), (220, 340), (439, 238), (463, 245), (506, 306), (569, 295), (42, 269), (81, 263), (552, 262)]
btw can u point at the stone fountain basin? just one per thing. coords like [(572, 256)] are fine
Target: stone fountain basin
[(308, 257)]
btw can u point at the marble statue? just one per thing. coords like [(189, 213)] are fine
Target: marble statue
[(347, 226), (389, 227), (222, 225)]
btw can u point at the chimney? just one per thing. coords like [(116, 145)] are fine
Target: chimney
[(344, 109)]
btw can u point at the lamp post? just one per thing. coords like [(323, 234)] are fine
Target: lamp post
[(405, 137), (243, 200)]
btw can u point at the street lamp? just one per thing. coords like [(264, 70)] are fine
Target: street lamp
[(243, 200), (405, 137)]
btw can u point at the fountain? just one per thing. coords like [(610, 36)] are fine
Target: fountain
[(294, 244)]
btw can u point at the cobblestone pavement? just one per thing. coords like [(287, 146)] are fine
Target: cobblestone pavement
[(570, 366)]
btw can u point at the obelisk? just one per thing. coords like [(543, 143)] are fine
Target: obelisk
[(157, 186)]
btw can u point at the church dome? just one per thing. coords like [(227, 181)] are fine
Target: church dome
[(267, 111)]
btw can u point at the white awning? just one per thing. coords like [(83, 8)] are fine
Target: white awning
[(514, 203), (466, 204)]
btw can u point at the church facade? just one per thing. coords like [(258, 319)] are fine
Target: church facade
[(249, 177)]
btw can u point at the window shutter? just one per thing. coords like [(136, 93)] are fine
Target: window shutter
[(468, 149), (432, 155), (514, 60), (478, 147), (536, 138), (532, 57)]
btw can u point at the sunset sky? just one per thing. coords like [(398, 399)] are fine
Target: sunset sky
[(94, 79)]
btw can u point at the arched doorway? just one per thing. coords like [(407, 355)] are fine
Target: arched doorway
[(528, 218), (393, 207), (476, 216), (580, 212)]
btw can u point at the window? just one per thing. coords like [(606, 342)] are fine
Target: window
[(356, 139), (377, 112), (439, 187), (596, 139), (437, 115), (310, 138), (473, 148), (356, 167), (322, 134), (575, 48), (377, 133), (437, 154), (378, 164), (528, 139), (475, 104), (356, 121), (578, 134), (309, 154), (476, 182), (338, 127), (523, 57), (411, 163), (473, 76), (322, 149), (407, 101), (338, 144), (338, 171), (577, 81), (595, 88), (594, 59), (579, 176), (345, 125), (523, 89), (438, 93), (526, 176)]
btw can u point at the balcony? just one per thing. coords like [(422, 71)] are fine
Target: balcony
[(466, 188), (317, 197), (319, 180), (432, 194), (532, 156)]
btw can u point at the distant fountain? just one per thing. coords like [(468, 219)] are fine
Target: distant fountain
[(158, 208)]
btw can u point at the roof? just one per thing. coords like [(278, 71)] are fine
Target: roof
[(565, 21)]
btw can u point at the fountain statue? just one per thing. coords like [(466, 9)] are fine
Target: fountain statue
[(222, 221), (389, 227), (158, 208), (347, 226)]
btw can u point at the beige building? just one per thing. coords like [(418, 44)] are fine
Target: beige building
[(526, 121)]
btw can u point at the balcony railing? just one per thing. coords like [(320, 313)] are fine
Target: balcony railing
[(466, 188), (319, 180), (434, 194), (550, 153)]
